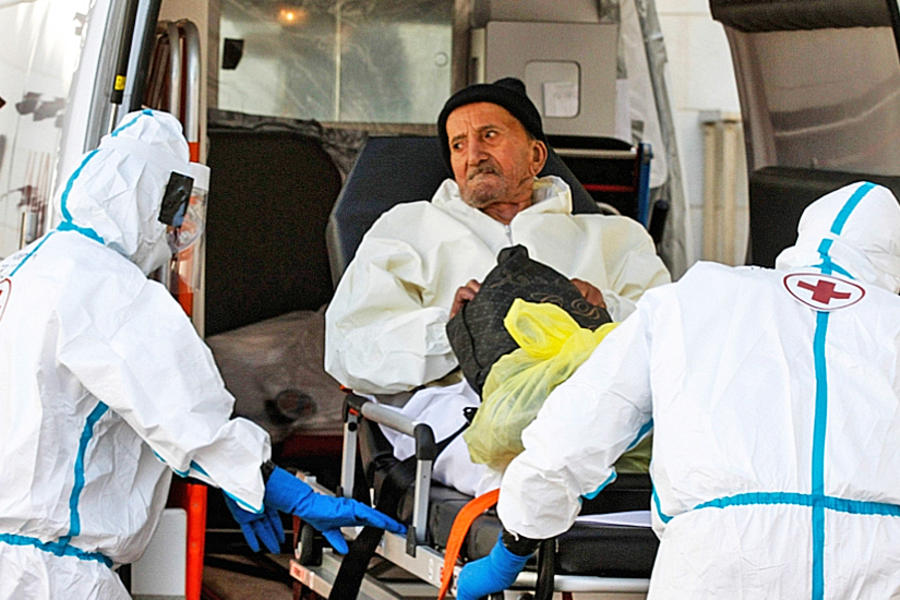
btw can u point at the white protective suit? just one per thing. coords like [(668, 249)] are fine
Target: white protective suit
[(385, 327), (775, 402), (106, 387)]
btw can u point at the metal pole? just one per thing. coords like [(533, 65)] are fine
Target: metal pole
[(120, 74), (174, 36), (138, 79), (192, 85)]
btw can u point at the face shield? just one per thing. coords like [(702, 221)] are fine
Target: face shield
[(183, 208)]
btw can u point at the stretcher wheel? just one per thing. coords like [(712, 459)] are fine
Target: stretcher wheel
[(310, 546)]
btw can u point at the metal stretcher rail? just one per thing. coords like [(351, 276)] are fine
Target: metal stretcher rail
[(596, 153), (425, 454)]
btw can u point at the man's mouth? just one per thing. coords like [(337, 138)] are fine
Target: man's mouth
[(482, 171)]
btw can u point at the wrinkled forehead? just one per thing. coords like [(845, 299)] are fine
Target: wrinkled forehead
[(480, 115)]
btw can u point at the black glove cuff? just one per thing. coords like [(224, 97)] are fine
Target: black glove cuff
[(518, 544), (267, 468)]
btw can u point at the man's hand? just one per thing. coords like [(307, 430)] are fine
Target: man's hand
[(327, 514), (464, 294), (590, 293)]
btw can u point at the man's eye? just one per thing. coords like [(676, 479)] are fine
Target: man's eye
[(456, 146), (490, 134)]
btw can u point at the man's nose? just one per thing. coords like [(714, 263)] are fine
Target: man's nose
[(476, 152)]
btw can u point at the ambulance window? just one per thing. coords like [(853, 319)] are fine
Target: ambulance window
[(337, 61)]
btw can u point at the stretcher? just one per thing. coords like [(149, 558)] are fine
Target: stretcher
[(590, 557)]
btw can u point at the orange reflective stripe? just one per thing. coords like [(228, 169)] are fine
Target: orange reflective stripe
[(464, 518)]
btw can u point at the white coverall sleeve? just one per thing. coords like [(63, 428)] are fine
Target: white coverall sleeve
[(585, 424), (139, 354), (381, 334), (633, 267)]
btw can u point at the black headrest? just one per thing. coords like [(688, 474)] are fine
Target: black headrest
[(273, 191), (391, 170), (785, 15), (778, 196)]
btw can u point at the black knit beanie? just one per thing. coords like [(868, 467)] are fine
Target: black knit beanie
[(508, 92)]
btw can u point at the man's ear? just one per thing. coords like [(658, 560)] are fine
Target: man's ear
[(538, 156)]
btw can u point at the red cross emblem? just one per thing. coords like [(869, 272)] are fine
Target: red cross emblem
[(5, 288), (823, 292)]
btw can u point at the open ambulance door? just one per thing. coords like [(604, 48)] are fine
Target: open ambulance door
[(819, 87)]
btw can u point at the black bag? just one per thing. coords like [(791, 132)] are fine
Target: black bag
[(476, 332)]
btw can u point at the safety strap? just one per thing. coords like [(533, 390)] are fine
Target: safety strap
[(398, 479), (461, 524)]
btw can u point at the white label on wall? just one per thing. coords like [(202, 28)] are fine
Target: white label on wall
[(560, 98)]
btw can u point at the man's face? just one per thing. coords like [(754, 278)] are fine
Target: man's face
[(493, 158)]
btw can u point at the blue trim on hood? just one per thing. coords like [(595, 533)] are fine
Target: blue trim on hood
[(85, 231), (838, 226), (120, 128), (828, 266), (68, 221), (63, 203)]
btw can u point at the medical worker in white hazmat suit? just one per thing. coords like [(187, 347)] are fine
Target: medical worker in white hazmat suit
[(105, 387), (775, 402)]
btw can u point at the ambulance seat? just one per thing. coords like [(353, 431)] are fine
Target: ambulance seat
[(270, 196), (778, 196)]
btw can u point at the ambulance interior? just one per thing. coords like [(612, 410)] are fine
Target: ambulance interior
[(798, 145), (314, 117)]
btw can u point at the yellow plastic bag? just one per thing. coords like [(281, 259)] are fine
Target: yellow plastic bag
[(551, 347)]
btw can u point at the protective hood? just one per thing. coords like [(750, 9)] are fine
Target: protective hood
[(115, 194), (853, 231)]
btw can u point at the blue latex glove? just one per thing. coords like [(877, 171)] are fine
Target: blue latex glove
[(493, 573), (264, 527), (326, 513)]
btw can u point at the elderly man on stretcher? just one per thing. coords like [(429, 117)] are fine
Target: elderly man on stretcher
[(420, 261)]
